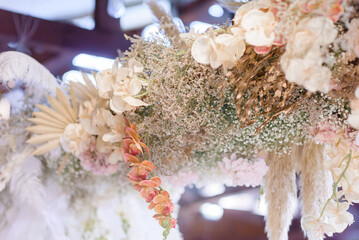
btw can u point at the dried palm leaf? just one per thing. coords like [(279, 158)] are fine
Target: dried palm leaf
[(50, 123)]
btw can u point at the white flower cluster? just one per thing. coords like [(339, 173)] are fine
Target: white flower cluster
[(243, 172), (302, 62), (254, 24), (121, 86)]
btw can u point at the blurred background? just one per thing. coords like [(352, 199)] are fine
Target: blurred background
[(70, 36)]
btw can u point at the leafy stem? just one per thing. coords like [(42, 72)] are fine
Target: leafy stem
[(334, 194)]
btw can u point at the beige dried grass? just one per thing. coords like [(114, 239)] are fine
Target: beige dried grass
[(280, 194)]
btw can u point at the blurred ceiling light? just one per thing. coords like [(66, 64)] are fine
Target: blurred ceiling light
[(92, 62), (84, 22), (154, 29), (200, 27), (260, 207), (212, 190), (211, 212), (215, 10), (76, 76), (241, 202), (116, 8), (54, 10), (150, 30), (139, 16)]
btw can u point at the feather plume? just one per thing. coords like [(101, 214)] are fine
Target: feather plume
[(27, 222), (17, 66), (26, 185), (167, 24), (231, 5), (12, 167), (280, 193), (316, 181)]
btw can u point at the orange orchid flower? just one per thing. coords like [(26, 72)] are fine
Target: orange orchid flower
[(144, 166), (336, 9), (159, 199), (165, 220)]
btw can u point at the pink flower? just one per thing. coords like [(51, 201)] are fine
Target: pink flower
[(352, 138), (244, 172), (324, 132), (95, 161), (353, 36)]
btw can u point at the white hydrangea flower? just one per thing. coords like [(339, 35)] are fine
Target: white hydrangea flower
[(302, 62), (120, 86), (309, 72), (245, 8), (338, 215), (259, 28), (316, 228), (223, 49)]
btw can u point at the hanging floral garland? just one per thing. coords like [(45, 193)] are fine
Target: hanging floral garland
[(256, 102)]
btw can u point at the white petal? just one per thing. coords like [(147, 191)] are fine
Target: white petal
[(135, 86), (225, 39), (135, 66), (118, 105), (115, 156), (134, 101), (252, 19), (201, 49), (112, 137), (104, 83), (259, 38)]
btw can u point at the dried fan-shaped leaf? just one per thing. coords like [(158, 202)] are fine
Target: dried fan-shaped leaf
[(50, 123)]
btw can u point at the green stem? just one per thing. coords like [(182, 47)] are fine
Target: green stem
[(334, 194), (140, 95)]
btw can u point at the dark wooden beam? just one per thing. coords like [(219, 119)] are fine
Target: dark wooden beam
[(104, 22), (58, 36)]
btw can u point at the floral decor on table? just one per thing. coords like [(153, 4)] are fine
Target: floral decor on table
[(258, 101)]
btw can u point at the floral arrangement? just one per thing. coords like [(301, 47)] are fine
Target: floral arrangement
[(257, 101)]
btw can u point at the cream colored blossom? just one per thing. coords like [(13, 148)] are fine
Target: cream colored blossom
[(316, 228), (350, 190), (121, 86), (338, 215), (302, 62), (74, 139), (245, 8), (259, 28), (116, 125), (309, 72), (224, 49)]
